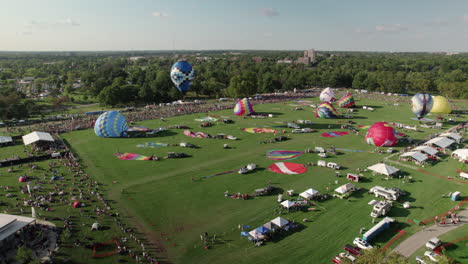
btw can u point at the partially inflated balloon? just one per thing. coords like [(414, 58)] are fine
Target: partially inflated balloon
[(441, 105), (381, 134), (346, 101), (327, 95), (182, 74), (111, 124), (421, 104), (243, 108), (326, 110)]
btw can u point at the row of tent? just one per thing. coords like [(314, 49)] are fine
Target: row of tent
[(270, 226)]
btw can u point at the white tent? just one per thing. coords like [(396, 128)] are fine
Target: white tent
[(279, 221), (426, 149), (255, 234), (455, 136), (5, 139), (460, 154), (345, 188), (95, 226), (442, 142), (383, 168), (415, 155), (309, 193), (288, 204), (37, 136)]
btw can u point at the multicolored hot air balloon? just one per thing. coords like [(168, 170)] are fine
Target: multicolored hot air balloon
[(243, 108), (327, 95), (111, 124), (421, 104), (441, 105), (381, 134), (182, 74), (326, 110), (346, 101)]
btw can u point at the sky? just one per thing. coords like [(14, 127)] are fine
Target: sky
[(351, 25)]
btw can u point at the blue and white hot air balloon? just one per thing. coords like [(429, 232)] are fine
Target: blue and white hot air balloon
[(111, 124), (421, 104), (182, 74)]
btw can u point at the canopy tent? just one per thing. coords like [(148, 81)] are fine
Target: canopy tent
[(37, 136), (262, 230), (418, 156), (279, 221), (288, 204), (309, 193), (442, 142), (461, 154), (426, 149), (345, 188), (5, 139), (383, 168), (255, 234), (455, 136), (270, 226), (10, 224)]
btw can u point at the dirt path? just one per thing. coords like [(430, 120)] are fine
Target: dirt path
[(414, 242)]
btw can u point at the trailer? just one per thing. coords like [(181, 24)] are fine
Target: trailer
[(385, 193), (353, 177), (381, 209), (377, 229)]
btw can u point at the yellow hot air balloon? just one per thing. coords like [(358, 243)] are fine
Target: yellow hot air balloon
[(441, 105)]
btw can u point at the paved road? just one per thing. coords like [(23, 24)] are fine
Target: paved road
[(414, 242)]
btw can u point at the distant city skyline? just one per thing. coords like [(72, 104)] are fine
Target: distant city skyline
[(360, 25)]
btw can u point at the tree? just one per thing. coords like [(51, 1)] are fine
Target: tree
[(243, 85), (24, 255)]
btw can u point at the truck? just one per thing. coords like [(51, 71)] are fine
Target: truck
[(380, 209), (387, 194)]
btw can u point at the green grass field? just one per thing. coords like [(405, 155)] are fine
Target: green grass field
[(162, 200)]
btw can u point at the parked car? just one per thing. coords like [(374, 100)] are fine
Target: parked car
[(336, 259), (433, 243), (432, 256), (420, 260), (353, 250), (348, 256), (361, 243)]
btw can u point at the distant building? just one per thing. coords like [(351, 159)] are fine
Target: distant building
[(309, 56), (133, 59), (285, 60), (257, 59)]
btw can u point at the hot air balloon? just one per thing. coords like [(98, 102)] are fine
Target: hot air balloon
[(421, 104), (381, 134), (327, 95), (346, 101), (243, 108), (441, 105), (111, 124), (326, 110), (182, 74)]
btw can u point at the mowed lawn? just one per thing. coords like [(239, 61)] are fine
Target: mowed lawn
[(162, 199)]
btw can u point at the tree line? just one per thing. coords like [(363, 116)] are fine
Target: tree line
[(113, 79)]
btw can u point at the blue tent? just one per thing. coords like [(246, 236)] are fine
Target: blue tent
[(262, 230)]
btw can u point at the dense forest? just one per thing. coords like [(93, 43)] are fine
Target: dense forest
[(119, 78)]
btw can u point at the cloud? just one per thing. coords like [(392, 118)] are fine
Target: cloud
[(437, 23), (268, 34), (269, 12), (68, 21), (159, 14), (24, 33), (362, 31), (465, 18), (390, 28)]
